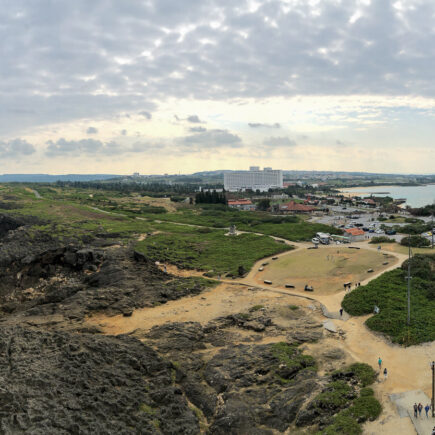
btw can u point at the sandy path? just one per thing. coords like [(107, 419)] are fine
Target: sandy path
[(223, 300)]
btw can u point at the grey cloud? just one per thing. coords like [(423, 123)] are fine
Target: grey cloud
[(92, 130), (92, 147), (171, 49), (124, 132), (261, 125), (145, 114), (197, 129), (279, 141), (16, 148), (194, 119), (74, 147), (213, 139)]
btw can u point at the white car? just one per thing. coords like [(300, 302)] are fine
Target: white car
[(315, 240), (379, 231)]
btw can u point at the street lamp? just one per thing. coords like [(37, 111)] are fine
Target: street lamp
[(432, 366)]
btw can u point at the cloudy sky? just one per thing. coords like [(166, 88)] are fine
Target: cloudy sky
[(173, 86)]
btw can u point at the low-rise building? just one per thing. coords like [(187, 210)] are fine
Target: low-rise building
[(294, 207), (241, 204), (354, 234)]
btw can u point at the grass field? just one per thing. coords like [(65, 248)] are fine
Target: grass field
[(208, 250), (325, 269), (397, 247)]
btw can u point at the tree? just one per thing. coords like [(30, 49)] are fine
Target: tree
[(264, 204)]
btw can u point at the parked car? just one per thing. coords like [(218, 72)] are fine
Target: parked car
[(365, 229), (390, 232)]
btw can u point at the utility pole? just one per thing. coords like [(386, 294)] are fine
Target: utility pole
[(409, 280), (431, 230), (432, 366)]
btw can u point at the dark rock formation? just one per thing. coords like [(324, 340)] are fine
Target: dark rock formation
[(74, 383)]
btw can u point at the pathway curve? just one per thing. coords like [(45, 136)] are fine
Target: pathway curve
[(408, 368)]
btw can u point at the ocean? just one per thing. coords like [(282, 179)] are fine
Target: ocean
[(416, 196)]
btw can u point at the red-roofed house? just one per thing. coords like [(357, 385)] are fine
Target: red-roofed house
[(354, 234), (241, 204), (294, 207)]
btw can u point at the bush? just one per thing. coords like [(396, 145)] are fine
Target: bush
[(367, 391), (153, 209), (415, 241), (365, 408), (343, 425), (365, 373), (336, 395), (381, 239)]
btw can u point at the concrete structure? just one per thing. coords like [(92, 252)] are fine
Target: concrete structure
[(241, 204), (354, 234), (254, 179)]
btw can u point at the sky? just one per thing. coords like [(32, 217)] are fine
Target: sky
[(181, 86)]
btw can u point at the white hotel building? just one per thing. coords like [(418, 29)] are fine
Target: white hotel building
[(253, 179)]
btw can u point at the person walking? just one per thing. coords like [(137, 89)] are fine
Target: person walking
[(415, 410), (380, 363), (420, 408), (341, 312), (385, 374), (426, 408)]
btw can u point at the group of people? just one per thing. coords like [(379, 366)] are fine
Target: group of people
[(385, 369), (348, 286), (418, 408)]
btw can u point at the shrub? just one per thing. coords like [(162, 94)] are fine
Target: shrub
[(381, 239), (365, 408), (365, 373), (367, 391), (256, 308), (415, 241), (336, 395), (343, 424)]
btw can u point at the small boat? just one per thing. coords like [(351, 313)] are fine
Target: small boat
[(261, 269), (267, 281), (289, 286)]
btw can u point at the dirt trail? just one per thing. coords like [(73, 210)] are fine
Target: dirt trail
[(408, 368), (223, 300)]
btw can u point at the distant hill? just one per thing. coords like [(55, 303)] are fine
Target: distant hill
[(45, 178)]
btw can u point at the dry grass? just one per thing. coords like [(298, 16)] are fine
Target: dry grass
[(324, 269)]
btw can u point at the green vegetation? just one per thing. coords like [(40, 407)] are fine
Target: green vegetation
[(365, 408), (290, 356), (220, 216), (210, 250), (364, 373), (293, 307), (389, 293), (353, 408), (381, 239), (413, 229), (336, 395), (415, 241), (256, 308), (143, 407), (343, 424), (210, 197)]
